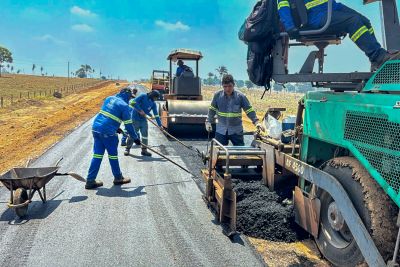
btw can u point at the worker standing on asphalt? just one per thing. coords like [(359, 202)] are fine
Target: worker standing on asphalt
[(142, 106), (134, 93), (344, 20), (115, 110), (227, 104)]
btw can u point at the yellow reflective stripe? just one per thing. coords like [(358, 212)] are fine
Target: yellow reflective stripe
[(371, 30), (315, 3), (97, 156), (229, 114), (213, 108), (359, 33), (128, 121), (109, 115), (112, 157), (283, 4), (132, 103), (251, 109)]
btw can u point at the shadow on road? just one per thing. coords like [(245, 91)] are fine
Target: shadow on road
[(147, 159), (38, 210), (118, 191)]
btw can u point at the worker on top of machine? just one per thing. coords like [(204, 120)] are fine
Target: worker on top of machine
[(115, 110), (182, 68), (344, 20), (142, 106), (227, 104)]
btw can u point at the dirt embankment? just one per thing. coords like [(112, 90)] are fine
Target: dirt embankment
[(28, 131)]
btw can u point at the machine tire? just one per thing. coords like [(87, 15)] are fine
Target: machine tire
[(20, 196), (373, 205)]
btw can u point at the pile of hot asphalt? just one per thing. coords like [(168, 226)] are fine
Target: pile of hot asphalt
[(266, 214)]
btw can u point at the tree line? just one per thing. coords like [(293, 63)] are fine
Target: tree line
[(215, 79)]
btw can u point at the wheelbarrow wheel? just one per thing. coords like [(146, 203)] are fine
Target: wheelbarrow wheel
[(20, 196)]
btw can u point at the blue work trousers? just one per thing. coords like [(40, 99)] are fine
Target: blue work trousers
[(141, 127), (347, 20), (103, 142), (236, 139)]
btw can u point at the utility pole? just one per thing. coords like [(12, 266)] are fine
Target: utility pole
[(68, 70)]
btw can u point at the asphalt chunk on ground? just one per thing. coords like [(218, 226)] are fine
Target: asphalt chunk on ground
[(265, 214)]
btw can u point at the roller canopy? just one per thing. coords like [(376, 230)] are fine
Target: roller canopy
[(184, 54), (369, 1)]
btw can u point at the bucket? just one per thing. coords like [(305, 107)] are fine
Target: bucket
[(288, 123)]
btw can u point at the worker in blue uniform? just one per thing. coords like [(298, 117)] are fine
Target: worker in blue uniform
[(134, 93), (142, 106), (344, 20), (115, 110)]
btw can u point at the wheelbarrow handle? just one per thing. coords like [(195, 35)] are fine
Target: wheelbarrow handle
[(73, 175)]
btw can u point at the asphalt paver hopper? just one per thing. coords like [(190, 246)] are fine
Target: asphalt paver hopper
[(184, 109)]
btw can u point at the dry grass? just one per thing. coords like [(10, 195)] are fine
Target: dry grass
[(19, 86), (28, 131)]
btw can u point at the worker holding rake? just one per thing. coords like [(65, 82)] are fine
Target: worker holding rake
[(115, 110), (142, 106)]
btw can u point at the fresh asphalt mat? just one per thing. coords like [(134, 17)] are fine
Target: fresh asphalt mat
[(159, 219)]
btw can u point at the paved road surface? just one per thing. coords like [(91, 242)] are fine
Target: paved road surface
[(157, 220)]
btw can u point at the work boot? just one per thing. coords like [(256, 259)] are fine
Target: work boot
[(126, 153), (93, 184), (123, 143), (145, 152), (122, 180), (386, 57)]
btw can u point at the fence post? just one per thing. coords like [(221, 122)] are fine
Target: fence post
[(1, 100), (12, 99), (20, 95), (34, 94)]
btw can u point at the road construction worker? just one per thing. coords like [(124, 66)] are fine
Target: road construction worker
[(134, 93), (142, 106), (344, 20), (227, 104), (182, 68), (115, 110)]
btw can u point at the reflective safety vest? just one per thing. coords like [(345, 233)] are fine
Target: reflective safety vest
[(114, 111), (228, 110), (316, 11)]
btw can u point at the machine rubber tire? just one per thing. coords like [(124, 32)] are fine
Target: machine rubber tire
[(20, 196), (373, 205)]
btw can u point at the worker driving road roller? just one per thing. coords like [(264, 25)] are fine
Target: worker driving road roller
[(142, 106), (227, 104), (344, 21)]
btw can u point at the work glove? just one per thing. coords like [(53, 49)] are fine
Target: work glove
[(137, 142), (260, 127), (119, 131), (294, 33), (208, 126)]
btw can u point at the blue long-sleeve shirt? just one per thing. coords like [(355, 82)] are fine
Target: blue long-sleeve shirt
[(115, 110), (316, 11), (143, 102)]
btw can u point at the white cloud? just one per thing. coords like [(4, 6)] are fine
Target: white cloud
[(178, 26), (76, 10), (49, 38), (82, 28)]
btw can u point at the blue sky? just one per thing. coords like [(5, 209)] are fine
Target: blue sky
[(129, 38)]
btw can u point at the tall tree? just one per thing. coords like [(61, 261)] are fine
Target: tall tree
[(41, 70), (5, 56), (12, 68), (249, 84), (33, 68), (83, 71)]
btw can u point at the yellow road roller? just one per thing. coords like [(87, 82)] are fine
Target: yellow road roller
[(184, 110)]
